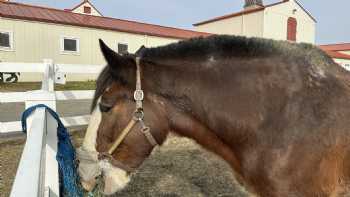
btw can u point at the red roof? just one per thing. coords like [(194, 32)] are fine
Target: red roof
[(336, 47), (337, 55), (50, 15), (248, 11)]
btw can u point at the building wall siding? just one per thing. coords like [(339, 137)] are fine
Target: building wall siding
[(345, 52), (344, 63), (35, 41), (230, 26), (250, 25), (276, 18), (254, 24)]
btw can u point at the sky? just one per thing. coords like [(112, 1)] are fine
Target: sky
[(333, 24)]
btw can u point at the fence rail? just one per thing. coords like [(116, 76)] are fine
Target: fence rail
[(20, 97), (37, 173), (16, 126)]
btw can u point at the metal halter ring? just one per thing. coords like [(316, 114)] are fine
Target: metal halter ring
[(138, 95), (138, 114), (104, 156)]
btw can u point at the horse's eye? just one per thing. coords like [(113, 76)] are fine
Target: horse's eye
[(105, 107)]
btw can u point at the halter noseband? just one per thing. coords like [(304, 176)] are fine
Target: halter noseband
[(138, 117)]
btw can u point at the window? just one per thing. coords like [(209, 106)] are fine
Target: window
[(6, 40), (69, 45), (292, 29), (122, 48), (87, 10)]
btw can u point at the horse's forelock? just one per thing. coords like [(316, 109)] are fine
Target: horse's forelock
[(104, 80), (113, 73)]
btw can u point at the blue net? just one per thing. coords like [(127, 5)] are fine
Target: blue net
[(69, 179)]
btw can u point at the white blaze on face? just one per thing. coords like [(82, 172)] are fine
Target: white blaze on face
[(115, 178), (89, 143), (88, 170)]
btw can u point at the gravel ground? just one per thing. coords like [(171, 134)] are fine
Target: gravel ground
[(178, 168)]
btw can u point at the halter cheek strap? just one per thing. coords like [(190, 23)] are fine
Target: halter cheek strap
[(138, 94)]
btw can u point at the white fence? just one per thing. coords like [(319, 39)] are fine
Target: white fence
[(37, 173)]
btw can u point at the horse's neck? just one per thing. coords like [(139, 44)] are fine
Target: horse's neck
[(186, 125), (177, 90), (184, 88)]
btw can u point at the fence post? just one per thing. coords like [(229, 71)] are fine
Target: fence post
[(39, 97), (30, 169), (49, 76), (47, 96)]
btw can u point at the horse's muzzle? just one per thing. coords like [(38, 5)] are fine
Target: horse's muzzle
[(90, 167)]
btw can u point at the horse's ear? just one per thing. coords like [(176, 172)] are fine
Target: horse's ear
[(140, 51), (113, 59)]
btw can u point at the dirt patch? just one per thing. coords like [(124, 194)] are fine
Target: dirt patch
[(10, 153), (178, 168)]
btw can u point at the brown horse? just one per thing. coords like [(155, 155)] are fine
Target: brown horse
[(276, 111)]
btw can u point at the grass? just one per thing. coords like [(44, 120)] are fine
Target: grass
[(27, 86)]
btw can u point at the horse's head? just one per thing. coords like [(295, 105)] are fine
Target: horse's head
[(119, 136)]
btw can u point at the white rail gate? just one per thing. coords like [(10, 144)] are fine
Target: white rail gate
[(37, 173)]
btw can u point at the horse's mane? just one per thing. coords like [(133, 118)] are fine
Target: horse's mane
[(232, 46), (223, 46)]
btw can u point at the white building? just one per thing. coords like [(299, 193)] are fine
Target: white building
[(30, 33), (285, 20)]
